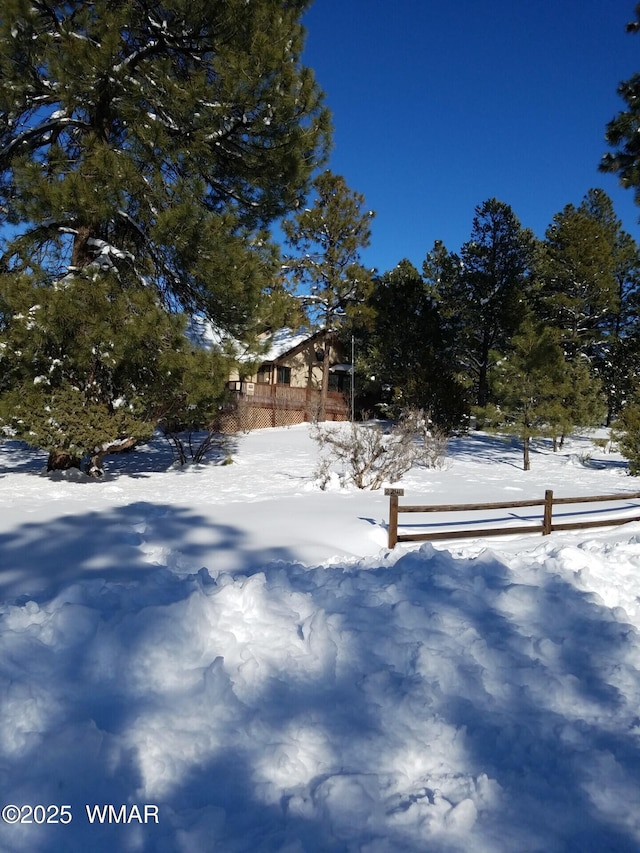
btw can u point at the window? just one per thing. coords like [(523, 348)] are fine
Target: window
[(264, 374), (284, 376), (339, 381)]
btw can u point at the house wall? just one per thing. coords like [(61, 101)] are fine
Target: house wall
[(259, 404), (306, 369)]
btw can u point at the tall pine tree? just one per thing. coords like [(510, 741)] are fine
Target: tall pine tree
[(579, 291), (407, 349), (618, 350), (327, 239), (144, 149), (488, 293)]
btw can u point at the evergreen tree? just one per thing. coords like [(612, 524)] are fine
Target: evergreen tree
[(327, 239), (144, 149), (618, 348), (442, 272), (622, 132), (155, 137), (406, 349), (91, 373), (578, 289), (488, 293), (581, 402), (528, 386), (626, 433)]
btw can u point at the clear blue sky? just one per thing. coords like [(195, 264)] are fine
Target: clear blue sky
[(438, 106)]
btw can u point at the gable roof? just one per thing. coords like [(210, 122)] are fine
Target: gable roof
[(281, 343), (286, 343)]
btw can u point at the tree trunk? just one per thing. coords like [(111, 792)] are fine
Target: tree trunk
[(81, 255), (525, 453), (96, 467), (62, 460), (483, 372), (324, 388)]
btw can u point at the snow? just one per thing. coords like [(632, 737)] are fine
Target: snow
[(203, 334), (284, 340), (239, 649)]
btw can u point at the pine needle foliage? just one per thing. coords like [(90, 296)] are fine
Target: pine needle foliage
[(160, 136), (535, 389), (145, 148)]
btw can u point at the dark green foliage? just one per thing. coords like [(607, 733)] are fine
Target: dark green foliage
[(537, 392), (485, 293), (525, 386), (626, 432), (144, 149), (171, 131), (622, 132), (327, 238), (581, 400), (588, 274), (616, 356), (406, 350), (579, 292), (88, 366)]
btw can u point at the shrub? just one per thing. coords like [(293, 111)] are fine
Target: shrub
[(370, 454), (430, 440), (626, 433)]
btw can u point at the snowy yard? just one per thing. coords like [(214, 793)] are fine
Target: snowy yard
[(237, 650)]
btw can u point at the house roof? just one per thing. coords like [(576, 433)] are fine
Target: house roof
[(282, 342), (285, 342)]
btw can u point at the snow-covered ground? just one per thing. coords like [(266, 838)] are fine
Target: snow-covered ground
[(238, 651)]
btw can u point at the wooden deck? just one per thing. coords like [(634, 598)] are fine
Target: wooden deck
[(261, 405)]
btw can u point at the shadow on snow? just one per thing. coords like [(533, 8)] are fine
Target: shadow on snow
[(420, 679)]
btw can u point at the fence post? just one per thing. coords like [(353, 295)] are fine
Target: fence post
[(548, 513), (394, 494)]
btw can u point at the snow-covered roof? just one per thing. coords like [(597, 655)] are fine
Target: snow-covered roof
[(203, 334), (283, 341)]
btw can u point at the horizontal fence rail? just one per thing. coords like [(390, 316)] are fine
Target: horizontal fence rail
[(545, 525)]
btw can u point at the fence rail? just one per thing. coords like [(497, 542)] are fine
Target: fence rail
[(545, 526)]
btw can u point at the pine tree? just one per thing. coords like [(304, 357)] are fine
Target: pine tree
[(579, 291), (617, 350), (407, 351), (156, 138), (327, 239), (622, 132), (144, 149), (626, 433), (488, 294), (88, 368), (581, 402), (528, 386)]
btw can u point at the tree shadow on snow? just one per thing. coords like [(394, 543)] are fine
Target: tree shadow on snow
[(122, 545), (156, 456), (544, 714), (392, 689)]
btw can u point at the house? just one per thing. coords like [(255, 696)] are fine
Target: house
[(284, 389)]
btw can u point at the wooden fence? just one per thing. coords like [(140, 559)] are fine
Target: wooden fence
[(545, 526)]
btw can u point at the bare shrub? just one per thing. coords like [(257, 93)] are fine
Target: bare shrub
[(431, 441), (192, 446), (365, 454), (312, 409), (370, 454)]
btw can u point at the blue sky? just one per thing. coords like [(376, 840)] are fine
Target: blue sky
[(438, 106)]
